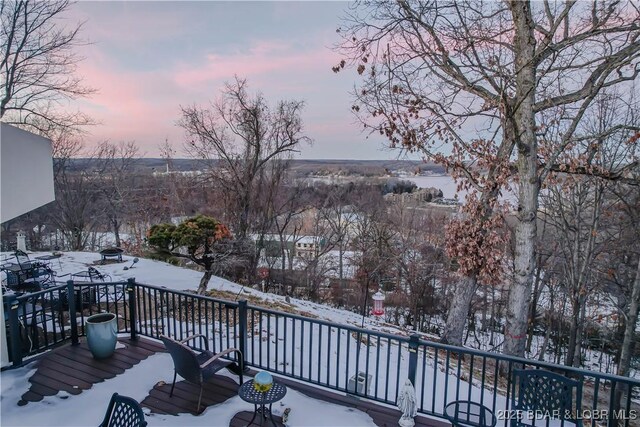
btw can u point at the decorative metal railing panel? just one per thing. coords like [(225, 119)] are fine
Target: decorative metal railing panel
[(366, 363)]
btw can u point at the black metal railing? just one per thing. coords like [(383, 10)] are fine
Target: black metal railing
[(162, 311), (38, 321), (366, 363)]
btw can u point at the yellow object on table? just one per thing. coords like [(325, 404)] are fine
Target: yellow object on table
[(263, 382)]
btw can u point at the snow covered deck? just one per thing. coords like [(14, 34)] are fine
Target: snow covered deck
[(61, 382)]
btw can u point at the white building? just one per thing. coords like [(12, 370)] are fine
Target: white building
[(26, 174)]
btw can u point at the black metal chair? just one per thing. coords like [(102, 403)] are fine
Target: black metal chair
[(90, 295), (545, 392), (28, 279), (12, 278), (23, 259), (123, 411), (33, 273), (198, 368), (92, 274)]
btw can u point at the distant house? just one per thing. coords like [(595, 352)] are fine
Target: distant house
[(297, 246), (181, 173), (309, 246)]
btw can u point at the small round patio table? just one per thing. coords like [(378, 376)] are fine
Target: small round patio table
[(260, 400), (463, 413)]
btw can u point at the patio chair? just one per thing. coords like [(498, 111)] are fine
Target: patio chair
[(11, 279), (123, 411), (198, 368), (30, 279), (91, 275), (23, 259), (545, 392)]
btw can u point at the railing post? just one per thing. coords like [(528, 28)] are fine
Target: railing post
[(242, 329), (71, 302), (12, 305), (131, 292), (414, 341)]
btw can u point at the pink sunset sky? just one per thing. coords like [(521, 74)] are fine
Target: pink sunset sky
[(148, 58)]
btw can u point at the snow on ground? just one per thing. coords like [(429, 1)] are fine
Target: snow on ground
[(159, 273), (88, 408), (137, 381), (331, 356)]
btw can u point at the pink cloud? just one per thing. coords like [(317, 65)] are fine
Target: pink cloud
[(263, 57), (129, 105), (143, 105), (121, 22)]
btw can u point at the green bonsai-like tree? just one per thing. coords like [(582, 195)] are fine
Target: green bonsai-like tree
[(201, 239)]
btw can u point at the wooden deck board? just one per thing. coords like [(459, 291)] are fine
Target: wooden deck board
[(80, 374), (185, 395), (73, 369)]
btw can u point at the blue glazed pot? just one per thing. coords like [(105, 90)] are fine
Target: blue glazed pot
[(102, 334)]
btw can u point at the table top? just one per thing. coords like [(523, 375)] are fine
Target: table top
[(466, 413), (48, 257), (249, 394), (12, 267)]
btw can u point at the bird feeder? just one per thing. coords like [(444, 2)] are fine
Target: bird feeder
[(378, 304), (263, 273)]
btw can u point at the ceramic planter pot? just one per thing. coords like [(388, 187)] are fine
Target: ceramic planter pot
[(102, 334)]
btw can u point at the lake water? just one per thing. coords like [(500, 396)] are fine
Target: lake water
[(449, 187), (441, 182)]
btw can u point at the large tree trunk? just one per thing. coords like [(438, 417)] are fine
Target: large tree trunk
[(523, 128), (533, 309), (577, 353), (459, 310), (574, 349), (340, 264), (202, 287), (243, 224), (547, 336), (573, 332), (628, 341), (116, 232), (630, 327)]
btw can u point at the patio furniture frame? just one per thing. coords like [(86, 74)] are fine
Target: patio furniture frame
[(123, 411), (198, 368)]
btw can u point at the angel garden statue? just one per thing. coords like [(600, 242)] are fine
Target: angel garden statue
[(407, 404)]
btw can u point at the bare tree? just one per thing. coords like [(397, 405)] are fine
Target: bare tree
[(239, 135), (340, 219), (419, 260), (575, 209), (288, 206), (114, 183), (629, 303), (75, 210), (38, 65), (492, 81)]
